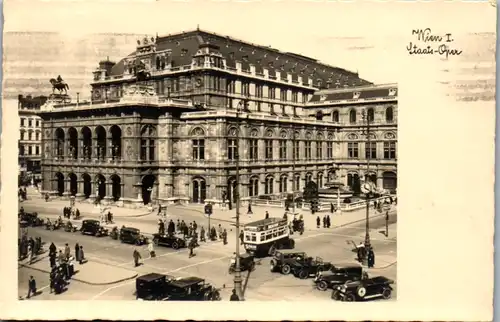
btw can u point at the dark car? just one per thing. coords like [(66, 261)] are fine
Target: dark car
[(159, 287), (247, 263), (338, 275), (131, 235), (284, 260), (364, 289), (30, 219), (169, 241), (297, 226), (93, 227), (309, 267)]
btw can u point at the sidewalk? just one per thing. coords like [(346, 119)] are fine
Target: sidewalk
[(92, 273)]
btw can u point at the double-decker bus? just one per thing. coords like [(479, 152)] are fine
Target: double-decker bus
[(263, 237)]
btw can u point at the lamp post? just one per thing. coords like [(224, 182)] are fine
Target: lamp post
[(367, 187), (293, 169)]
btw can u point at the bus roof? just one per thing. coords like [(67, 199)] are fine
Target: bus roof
[(264, 222)]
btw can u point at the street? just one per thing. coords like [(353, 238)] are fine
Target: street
[(211, 261)]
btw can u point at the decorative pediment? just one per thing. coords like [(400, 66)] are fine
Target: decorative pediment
[(308, 135), (269, 133), (352, 136), (198, 131), (389, 136), (254, 133), (232, 132), (283, 134), (330, 136)]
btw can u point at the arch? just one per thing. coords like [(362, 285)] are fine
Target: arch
[(197, 131), (332, 175), (254, 133), (389, 136), (253, 187), (335, 116), (352, 116), (283, 134), (101, 142), (389, 180), (370, 114), (60, 136), (59, 178), (296, 134), (308, 135), (73, 143), (330, 136), (87, 185), (389, 114), (352, 136), (148, 130), (354, 182), (371, 176), (319, 179), (232, 131), (309, 176), (296, 182), (73, 184), (320, 137), (100, 184), (231, 189), (148, 182), (269, 185), (116, 187), (87, 142), (283, 183), (116, 142), (199, 186), (269, 133)]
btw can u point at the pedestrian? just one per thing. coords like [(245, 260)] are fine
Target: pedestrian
[(171, 228), (371, 258), (191, 246), (249, 211), (267, 214), (82, 255), (30, 253), (186, 231), (220, 230), (224, 237), (241, 237), (61, 257), (52, 248), (234, 296), (328, 223), (31, 287), (202, 234), (318, 222), (213, 233), (77, 251), (178, 225), (159, 209), (67, 251), (52, 278), (151, 250), (324, 221), (332, 209), (137, 257), (195, 226), (77, 213)]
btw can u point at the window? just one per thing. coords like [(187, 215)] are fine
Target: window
[(231, 149), (304, 98), (37, 135), (352, 150), (309, 177), (296, 183), (282, 149), (148, 143), (30, 150), (389, 150), (253, 187), (283, 184), (230, 87), (283, 110), (37, 150), (258, 91), (199, 149), (37, 123), (371, 115), (22, 135), (245, 89), (308, 150), (319, 150), (296, 150), (21, 150), (175, 85), (269, 186), (22, 121), (30, 136), (352, 116), (259, 106), (30, 123), (329, 150), (253, 150), (335, 116), (283, 95), (371, 150), (294, 97), (389, 115), (272, 93), (320, 180), (269, 150)]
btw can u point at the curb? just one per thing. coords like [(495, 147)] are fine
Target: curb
[(82, 281), (143, 214), (386, 266)]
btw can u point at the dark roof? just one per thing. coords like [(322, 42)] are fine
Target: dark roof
[(184, 45), (130, 229), (186, 281), (152, 276), (266, 221), (349, 94), (31, 102)]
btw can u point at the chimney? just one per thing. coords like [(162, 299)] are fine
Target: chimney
[(106, 65)]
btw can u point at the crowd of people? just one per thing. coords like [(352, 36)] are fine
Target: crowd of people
[(191, 230), (29, 247)]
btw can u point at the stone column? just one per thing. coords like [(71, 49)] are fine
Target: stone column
[(109, 140), (109, 192), (67, 187), (95, 151), (79, 195)]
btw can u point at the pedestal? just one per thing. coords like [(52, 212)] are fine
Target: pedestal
[(79, 197), (107, 200), (66, 195)]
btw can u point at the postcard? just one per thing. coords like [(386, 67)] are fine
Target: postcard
[(292, 156)]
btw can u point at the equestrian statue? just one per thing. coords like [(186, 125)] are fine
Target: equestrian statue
[(59, 84)]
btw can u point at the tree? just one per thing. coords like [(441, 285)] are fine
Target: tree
[(310, 191)]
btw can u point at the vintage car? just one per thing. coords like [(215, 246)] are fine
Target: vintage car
[(131, 235), (159, 287), (93, 227), (283, 260), (364, 289), (309, 267), (247, 263), (338, 275), (169, 241), (31, 219)]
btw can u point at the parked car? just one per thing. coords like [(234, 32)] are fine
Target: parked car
[(160, 287), (169, 241), (283, 260), (31, 219), (93, 227), (338, 275), (364, 289), (309, 267), (132, 235), (247, 263)]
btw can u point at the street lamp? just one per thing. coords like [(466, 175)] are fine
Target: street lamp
[(367, 187)]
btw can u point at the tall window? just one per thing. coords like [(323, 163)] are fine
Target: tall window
[(253, 152), (283, 183), (37, 123), (335, 116), (199, 149), (352, 150), (371, 115), (21, 150), (37, 150), (258, 91), (37, 135), (329, 150), (296, 150), (389, 150), (309, 177), (282, 149), (296, 183), (269, 186), (320, 179), (308, 150), (22, 121), (304, 98), (30, 136), (272, 93), (371, 150), (269, 150), (245, 88), (148, 143), (352, 116), (30, 150), (294, 97), (231, 149), (389, 115), (283, 95), (253, 187), (230, 86), (319, 150), (30, 122), (22, 135)]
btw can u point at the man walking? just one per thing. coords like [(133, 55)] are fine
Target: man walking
[(137, 257), (31, 287)]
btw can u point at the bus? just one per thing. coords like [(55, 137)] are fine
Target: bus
[(263, 237)]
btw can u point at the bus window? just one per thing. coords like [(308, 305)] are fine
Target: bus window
[(262, 237), (247, 237), (254, 238), (275, 233), (268, 236)]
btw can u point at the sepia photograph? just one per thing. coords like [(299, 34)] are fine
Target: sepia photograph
[(201, 159)]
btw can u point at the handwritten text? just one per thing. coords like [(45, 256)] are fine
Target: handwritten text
[(427, 43)]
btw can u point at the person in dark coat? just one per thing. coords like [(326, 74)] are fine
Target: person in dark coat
[(371, 258), (186, 231), (328, 223), (178, 225), (77, 213), (77, 251), (82, 255), (249, 211), (31, 287), (224, 237), (161, 227), (171, 228), (318, 222), (332, 209), (324, 221), (202, 234), (267, 214), (241, 237), (234, 296), (137, 257), (195, 226)]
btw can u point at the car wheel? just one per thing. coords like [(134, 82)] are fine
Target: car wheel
[(335, 295), (349, 297), (361, 291), (175, 245), (286, 269), (386, 293), (303, 274), (322, 286)]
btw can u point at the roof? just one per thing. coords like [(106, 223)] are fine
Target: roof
[(184, 45), (151, 277), (130, 229), (266, 221), (360, 93), (186, 281), (31, 102)]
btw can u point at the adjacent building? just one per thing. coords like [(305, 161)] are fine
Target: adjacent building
[(169, 121)]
